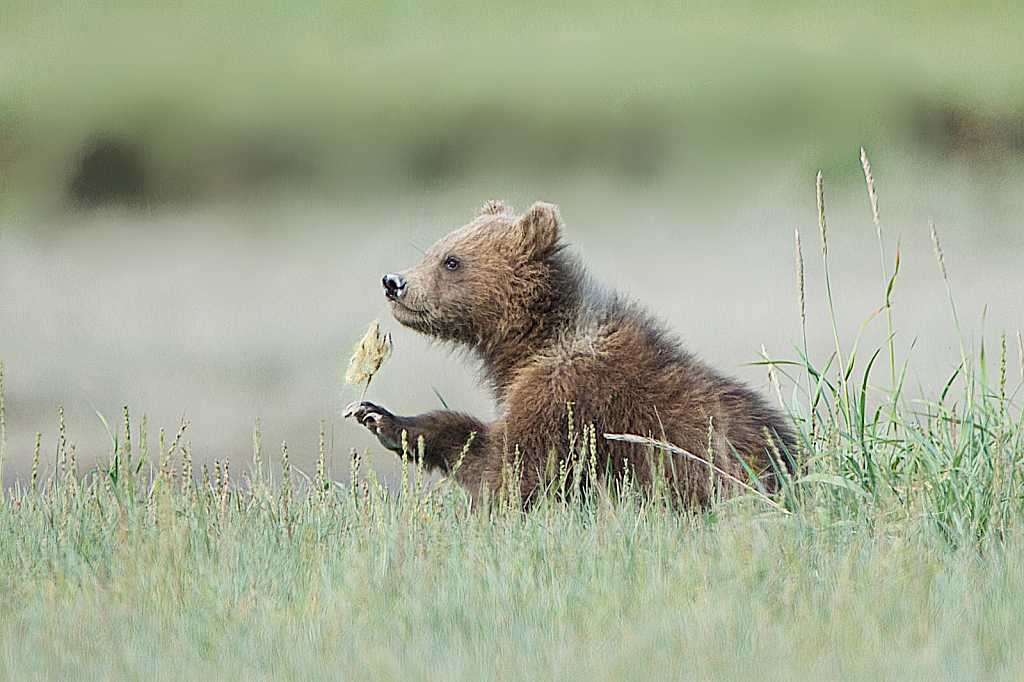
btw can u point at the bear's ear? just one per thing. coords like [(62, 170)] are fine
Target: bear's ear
[(541, 229), (494, 207)]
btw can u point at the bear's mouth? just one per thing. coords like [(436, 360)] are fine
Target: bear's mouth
[(397, 305)]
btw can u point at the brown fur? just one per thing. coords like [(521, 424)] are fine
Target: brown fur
[(548, 337)]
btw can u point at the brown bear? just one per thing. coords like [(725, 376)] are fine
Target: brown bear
[(556, 348)]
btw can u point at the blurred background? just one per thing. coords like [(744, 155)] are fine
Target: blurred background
[(198, 200)]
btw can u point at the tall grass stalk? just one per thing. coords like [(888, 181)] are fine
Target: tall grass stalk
[(802, 302), (841, 378), (869, 178), (940, 257)]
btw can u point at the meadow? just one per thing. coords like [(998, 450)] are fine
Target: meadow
[(892, 554)]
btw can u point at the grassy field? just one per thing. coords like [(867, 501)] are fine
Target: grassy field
[(893, 554), (256, 584)]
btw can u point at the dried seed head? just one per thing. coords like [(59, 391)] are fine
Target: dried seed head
[(800, 278), (773, 376), (821, 214), (938, 249), (368, 357), (870, 179)]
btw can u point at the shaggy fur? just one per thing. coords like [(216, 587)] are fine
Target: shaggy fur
[(547, 337)]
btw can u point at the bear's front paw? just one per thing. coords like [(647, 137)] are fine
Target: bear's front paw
[(367, 414), (379, 421)]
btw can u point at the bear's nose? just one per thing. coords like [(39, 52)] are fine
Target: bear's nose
[(394, 286)]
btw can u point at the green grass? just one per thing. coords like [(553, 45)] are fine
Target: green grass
[(895, 553), (386, 589)]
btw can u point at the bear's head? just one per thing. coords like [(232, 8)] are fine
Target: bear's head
[(485, 281)]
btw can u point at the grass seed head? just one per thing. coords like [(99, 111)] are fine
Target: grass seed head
[(938, 249), (821, 214), (800, 278), (369, 356), (869, 177)]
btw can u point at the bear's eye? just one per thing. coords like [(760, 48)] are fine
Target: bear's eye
[(451, 263)]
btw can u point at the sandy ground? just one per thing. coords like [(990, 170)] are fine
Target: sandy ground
[(217, 317)]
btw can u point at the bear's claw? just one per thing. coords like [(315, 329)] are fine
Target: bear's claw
[(353, 408), (379, 421), (365, 412)]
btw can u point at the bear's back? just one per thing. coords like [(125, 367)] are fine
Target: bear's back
[(617, 370)]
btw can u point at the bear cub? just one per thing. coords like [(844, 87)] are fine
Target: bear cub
[(550, 340)]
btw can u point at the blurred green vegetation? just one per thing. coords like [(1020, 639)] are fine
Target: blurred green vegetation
[(176, 102)]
